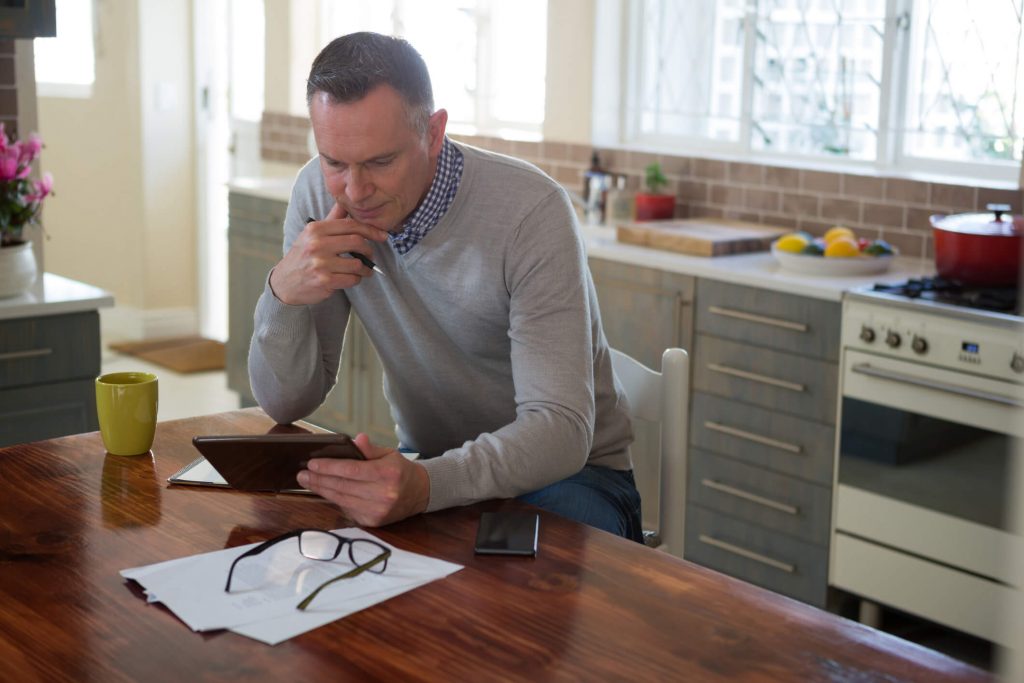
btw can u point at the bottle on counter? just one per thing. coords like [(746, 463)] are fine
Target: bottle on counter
[(596, 182), (620, 204)]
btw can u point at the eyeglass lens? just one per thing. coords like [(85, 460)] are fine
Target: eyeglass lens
[(363, 552), (318, 545)]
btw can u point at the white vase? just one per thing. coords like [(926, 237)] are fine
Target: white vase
[(17, 269)]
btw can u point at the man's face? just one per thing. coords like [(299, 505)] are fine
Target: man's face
[(375, 163)]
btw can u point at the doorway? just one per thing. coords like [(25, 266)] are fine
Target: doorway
[(229, 71)]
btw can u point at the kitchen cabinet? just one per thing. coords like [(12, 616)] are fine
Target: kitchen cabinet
[(356, 403), (762, 436), (644, 311), (48, 365)]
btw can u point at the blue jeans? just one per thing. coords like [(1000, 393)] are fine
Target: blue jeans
[(597, 496)]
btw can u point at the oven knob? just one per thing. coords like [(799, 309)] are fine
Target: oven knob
[(919, 345), (1017, 364), (892, 339), (867, 334)]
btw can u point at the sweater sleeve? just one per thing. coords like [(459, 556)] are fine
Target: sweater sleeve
[(550, 333), (295, 351)]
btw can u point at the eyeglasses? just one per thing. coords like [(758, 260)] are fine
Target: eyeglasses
[(325, 546)]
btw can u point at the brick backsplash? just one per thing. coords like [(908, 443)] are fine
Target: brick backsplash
[(894, 209)]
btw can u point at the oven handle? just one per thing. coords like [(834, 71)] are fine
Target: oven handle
[(871, 371)]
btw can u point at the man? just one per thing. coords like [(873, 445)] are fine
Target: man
[(485, 320)]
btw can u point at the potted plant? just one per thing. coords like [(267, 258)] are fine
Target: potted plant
[(21, 199), (653, 204)]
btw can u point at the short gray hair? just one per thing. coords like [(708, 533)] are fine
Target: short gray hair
[(353, 65)]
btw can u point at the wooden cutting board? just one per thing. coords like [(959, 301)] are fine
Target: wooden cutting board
[(701, 236)]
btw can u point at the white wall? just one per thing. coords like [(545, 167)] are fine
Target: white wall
[(569, 78), (123, 213)]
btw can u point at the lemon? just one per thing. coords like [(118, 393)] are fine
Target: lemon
[(838, 231), (793, 243), (842, 247)]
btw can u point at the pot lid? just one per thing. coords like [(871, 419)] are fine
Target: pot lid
[(996, 221)]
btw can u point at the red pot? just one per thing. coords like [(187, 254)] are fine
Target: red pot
[(980, 249), (654, 206)]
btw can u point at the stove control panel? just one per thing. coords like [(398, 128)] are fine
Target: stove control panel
[(993, 350)]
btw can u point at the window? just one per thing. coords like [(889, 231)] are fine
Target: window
[(934, 85), (486, 57), (66, 65)]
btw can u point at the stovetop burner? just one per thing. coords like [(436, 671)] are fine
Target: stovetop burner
[(953, 293)]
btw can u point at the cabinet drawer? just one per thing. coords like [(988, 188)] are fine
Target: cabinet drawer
[(774, 501), (768, 559), (780, 381), (49, 349), (797, 324), (47, 411), (762, 437)]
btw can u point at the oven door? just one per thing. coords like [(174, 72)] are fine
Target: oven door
[(922, 506)]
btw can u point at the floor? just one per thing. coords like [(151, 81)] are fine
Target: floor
[(180, 395)]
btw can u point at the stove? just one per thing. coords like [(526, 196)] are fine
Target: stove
[(931, 419), (952, 293), (939, 322)]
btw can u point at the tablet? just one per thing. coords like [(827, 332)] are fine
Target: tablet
[(264, 462)]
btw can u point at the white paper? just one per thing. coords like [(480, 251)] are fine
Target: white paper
[(267, 588)]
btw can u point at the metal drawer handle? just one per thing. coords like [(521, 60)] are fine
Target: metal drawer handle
[(754, 318), (750, 436), (749, 554), (752, 497), (881, 373), (754, 377), (18, 355)]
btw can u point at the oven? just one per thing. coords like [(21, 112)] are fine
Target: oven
[(931, 420)]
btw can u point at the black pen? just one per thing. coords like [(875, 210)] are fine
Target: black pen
[(356, 255)]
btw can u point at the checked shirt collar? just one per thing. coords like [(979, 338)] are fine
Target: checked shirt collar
[(435, 204)]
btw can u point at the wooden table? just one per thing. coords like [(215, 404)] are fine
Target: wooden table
[(590, 606)]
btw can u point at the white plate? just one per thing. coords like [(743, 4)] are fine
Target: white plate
[(835, 266)]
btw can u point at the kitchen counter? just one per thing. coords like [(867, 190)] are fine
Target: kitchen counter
[(276, 188), (758, 269), (55, 295)]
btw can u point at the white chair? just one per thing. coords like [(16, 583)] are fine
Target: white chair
[(662, 397)]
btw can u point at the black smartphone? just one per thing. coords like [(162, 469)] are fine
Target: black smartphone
[(507, 533), (269, 462)]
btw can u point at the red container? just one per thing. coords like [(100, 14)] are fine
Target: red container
[(651, 207), (979, 249)]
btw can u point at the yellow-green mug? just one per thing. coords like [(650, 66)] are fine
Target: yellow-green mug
[(126, 404)]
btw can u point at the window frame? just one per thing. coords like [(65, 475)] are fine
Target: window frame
[(891, 158)]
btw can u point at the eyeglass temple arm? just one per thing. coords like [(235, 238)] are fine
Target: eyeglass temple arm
[(355, 571)]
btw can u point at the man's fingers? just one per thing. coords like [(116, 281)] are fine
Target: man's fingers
[(336, 212), (369, 450)]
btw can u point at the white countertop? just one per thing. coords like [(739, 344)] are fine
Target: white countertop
[(54, 295), (758, 269), (279, 188)]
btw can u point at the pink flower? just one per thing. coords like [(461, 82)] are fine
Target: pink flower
[(41, 189), (30, 149), (9, 163)]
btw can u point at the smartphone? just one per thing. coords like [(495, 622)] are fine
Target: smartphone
[(269, 462), (507, 533)]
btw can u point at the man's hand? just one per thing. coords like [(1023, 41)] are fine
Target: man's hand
[(317, 264), (382, 489)]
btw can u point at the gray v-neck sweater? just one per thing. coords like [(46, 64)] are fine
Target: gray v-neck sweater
[(488, 332)]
